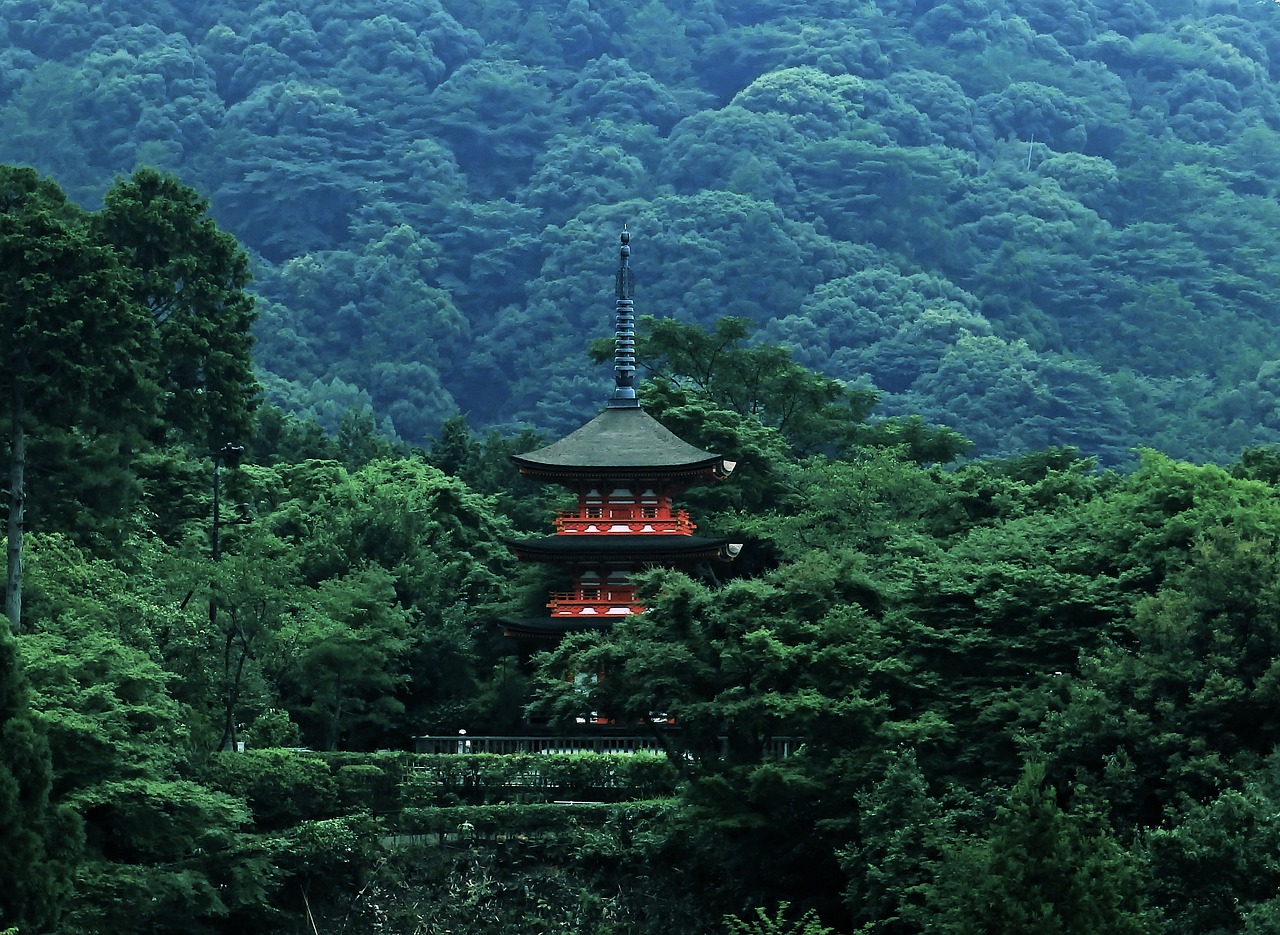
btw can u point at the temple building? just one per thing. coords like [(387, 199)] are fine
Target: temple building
[(626, 470)]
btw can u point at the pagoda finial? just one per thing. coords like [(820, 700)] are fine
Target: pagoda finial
[(624, 360)]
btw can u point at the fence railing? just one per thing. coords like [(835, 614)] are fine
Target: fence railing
[(587, 743), (466, 743)]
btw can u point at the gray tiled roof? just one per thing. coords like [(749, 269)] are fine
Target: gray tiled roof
[(616, 439), (641, 546)]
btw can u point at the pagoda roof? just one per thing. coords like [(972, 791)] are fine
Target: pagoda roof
[(549, 628), (618, 441), (645, 547)]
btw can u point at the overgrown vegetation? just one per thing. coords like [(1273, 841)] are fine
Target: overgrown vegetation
[(1027, 691), (1019, 689)]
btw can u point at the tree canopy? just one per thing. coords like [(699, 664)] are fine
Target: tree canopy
[(978, 295), (1072, 201)]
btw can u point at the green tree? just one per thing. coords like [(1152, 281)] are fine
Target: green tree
[(344, 659), (253, 591), (798, 653), (1040, 869), (1177, 703), (880, 325), (862, 503), (497, 113), (901, 832), (811, 411), (77, 346), (193, 279), (375, 314), (40, 838), (601, 163), (162, 853), (1213, 868), (429, 547), (761, 923)]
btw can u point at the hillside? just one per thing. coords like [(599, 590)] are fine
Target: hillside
[(1016, 694), (1039, 223)]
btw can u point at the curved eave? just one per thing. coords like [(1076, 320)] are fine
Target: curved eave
[(617, 547), (710, 470), (618, 441)]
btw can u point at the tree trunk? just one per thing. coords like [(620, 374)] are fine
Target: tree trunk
[(228, 695), (17, 508), (335, 722), (229, 735), (242, 642)]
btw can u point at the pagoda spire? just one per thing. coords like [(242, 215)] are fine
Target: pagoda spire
[(624, 357)]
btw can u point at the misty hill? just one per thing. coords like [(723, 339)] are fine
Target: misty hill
[(1045, 222)]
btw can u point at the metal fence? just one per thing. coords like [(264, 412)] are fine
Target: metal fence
[(466, 743), (587, 743)]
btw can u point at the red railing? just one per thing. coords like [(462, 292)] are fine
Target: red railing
[(616, 603), (572, 522)]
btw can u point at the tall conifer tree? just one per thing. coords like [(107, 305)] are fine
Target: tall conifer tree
[(191, 277), (72, 337)]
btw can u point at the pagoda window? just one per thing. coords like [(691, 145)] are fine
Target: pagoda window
[(592, 504), (620, 504)]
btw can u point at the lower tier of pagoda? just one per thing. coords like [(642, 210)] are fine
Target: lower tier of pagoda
[(642, 548)]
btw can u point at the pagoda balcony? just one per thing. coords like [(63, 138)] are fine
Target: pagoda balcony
[(574, 604), (572, 522)]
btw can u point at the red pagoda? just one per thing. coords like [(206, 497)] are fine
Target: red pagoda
[(625, 469)]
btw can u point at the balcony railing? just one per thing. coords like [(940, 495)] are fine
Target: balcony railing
[(572, 522), (609, 604)]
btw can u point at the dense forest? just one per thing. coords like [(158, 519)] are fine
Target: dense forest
[(1040, 223), (978, 297)]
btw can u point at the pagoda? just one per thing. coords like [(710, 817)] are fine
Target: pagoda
[(626, 469)]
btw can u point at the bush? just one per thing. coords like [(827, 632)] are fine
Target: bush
[(281, 787)]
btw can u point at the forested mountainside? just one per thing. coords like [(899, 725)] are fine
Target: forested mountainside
[(1035, 221), (1014, 695), (1020, 693)]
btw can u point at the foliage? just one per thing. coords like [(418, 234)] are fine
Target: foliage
[(764, 924), (1040, 869), (65, 310), (41, 838), (1038, 224), (759, 381), (868, 234), (282, 789), (1220, 853), (191, 277)]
